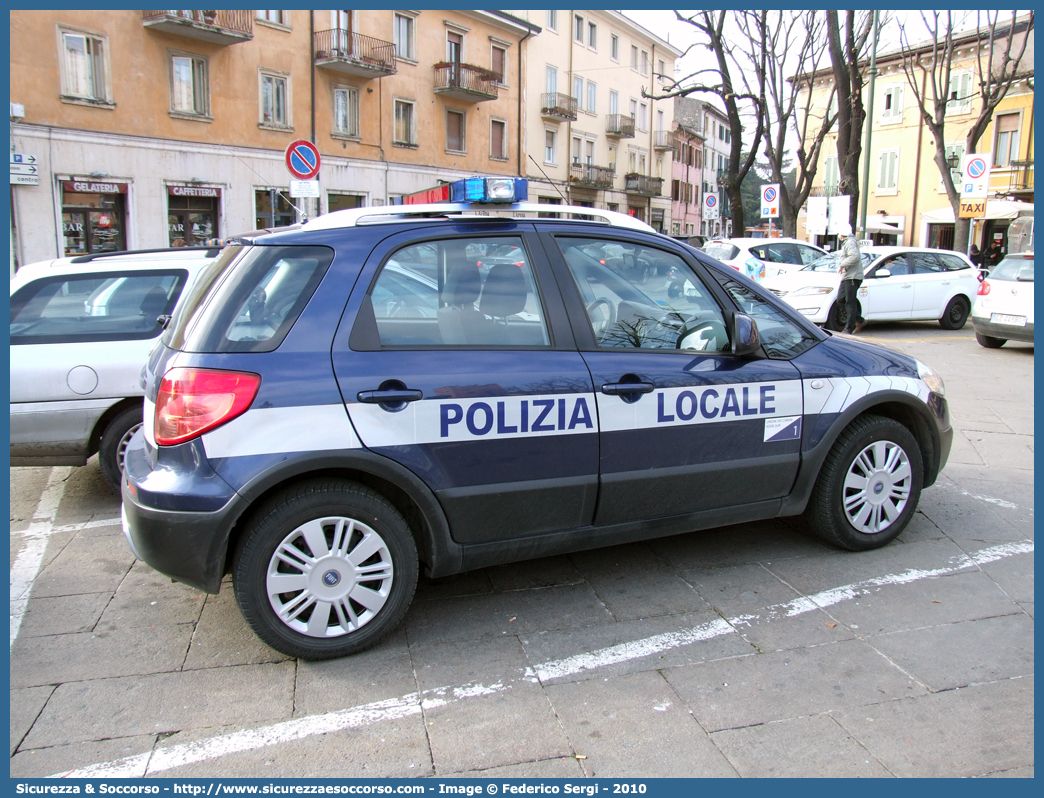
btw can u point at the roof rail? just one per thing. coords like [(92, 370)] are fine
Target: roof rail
[(353, 217), (211, 253)]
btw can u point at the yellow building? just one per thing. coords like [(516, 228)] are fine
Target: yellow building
[(157, 128), (907, 201)]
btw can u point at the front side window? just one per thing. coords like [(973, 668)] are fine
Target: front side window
[(780, 335), (189, 89), (404, 46), (275, 99), (476, 292), (405, 132), (627, 310), (84, 72), (346, 111), (103, 306)]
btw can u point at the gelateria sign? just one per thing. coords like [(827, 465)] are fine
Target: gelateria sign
[(84, 187)]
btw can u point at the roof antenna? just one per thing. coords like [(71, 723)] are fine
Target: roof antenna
[(549, 180)]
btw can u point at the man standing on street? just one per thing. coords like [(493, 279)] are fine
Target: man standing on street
[(850, 267)]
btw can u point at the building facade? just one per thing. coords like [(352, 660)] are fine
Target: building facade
[(687, 169), (592, 138), (907, 200), (164, 128), (717, 149)]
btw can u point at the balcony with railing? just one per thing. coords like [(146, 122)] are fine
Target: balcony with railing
[(465, 82), (1020, 178), (216, 27), (664, 140), (556, 105), (354, 54), (585, 175), (643, 184), (619, 126)]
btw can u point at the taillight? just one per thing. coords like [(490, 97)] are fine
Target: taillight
[(984, 288), (193, 401), (520, 264)]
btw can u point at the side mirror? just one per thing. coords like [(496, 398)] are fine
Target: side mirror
[(882, 273), (745, 338)]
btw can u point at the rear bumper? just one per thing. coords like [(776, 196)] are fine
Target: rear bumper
[(1008, 332), (188, 538)]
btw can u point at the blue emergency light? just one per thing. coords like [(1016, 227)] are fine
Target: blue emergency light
[(489, 189)]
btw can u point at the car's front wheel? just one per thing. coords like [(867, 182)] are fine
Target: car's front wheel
[(325, 569), (869, 486)]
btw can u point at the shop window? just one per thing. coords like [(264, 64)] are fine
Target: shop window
[(84, 67), (190, 92), (192, 215), (93, 217), (275, 100), (272, 208), (346, 112), (342, 202)]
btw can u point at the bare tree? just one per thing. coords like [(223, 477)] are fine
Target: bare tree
[(845, 59), (791, 42), (928, 67), (712, 25)]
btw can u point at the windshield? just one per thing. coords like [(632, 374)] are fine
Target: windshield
[(1018, 268), (828, 263)]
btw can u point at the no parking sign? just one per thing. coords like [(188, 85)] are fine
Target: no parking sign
[(302, 159), (770, 200), (710, 206)]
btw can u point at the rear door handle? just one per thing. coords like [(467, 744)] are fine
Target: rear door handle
[(389, 397), (618, 388)]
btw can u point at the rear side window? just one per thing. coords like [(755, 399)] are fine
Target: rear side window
[(251, 304), (95, 307), (1018, 268), (474, 292), (721, 251)]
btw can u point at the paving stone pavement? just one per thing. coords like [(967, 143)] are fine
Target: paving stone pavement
[(696, 655)]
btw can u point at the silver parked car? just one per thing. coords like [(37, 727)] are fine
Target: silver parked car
[(81, 332)]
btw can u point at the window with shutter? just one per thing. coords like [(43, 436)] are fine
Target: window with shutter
[(1006, 148), (888, 172), (959, 101)]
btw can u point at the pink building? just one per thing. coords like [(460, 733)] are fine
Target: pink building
[(686, 179)]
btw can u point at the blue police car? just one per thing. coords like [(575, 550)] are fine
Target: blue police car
[(339, 405)]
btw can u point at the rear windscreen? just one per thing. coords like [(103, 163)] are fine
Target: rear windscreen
[(721, 251), (249, 303)]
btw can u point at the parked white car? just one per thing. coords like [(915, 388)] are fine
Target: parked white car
[(81, 332), (1003, 309), (900, 283), (759, 258)]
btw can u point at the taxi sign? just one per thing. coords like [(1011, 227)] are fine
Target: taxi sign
[(302, 159)]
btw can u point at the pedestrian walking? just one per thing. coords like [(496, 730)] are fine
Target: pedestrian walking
[(975, 256), (850, 267)]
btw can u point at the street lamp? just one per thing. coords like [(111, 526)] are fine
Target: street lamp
[(953, 161)]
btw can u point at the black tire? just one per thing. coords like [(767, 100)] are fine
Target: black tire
[(956, 314), (114, 442), (826, 514), (838, 317), (989, 341), (320, 505)]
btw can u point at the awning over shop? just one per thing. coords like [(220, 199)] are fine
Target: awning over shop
[(874, 225), (995, 209)]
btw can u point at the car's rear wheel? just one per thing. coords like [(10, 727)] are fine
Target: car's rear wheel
[(956, 314), (325, 569), (989, 341), (113, 446), (869, 486)]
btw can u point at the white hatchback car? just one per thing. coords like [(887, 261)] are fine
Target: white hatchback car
[(1003, 309), (900, 283), (81, 332), (759, 258)]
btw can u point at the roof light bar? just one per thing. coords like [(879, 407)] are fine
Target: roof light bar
[(484, 190)]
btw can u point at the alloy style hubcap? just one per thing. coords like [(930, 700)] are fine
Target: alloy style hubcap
[(121, 447), (329, 577), (877, 487)]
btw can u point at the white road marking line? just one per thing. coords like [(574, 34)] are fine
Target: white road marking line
[(188, 753), (27, 563), (989, 499)]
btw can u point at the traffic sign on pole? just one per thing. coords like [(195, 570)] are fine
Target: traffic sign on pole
[(710, 206), (24, 171), (975, 185), (302, 159), (770, 200)]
